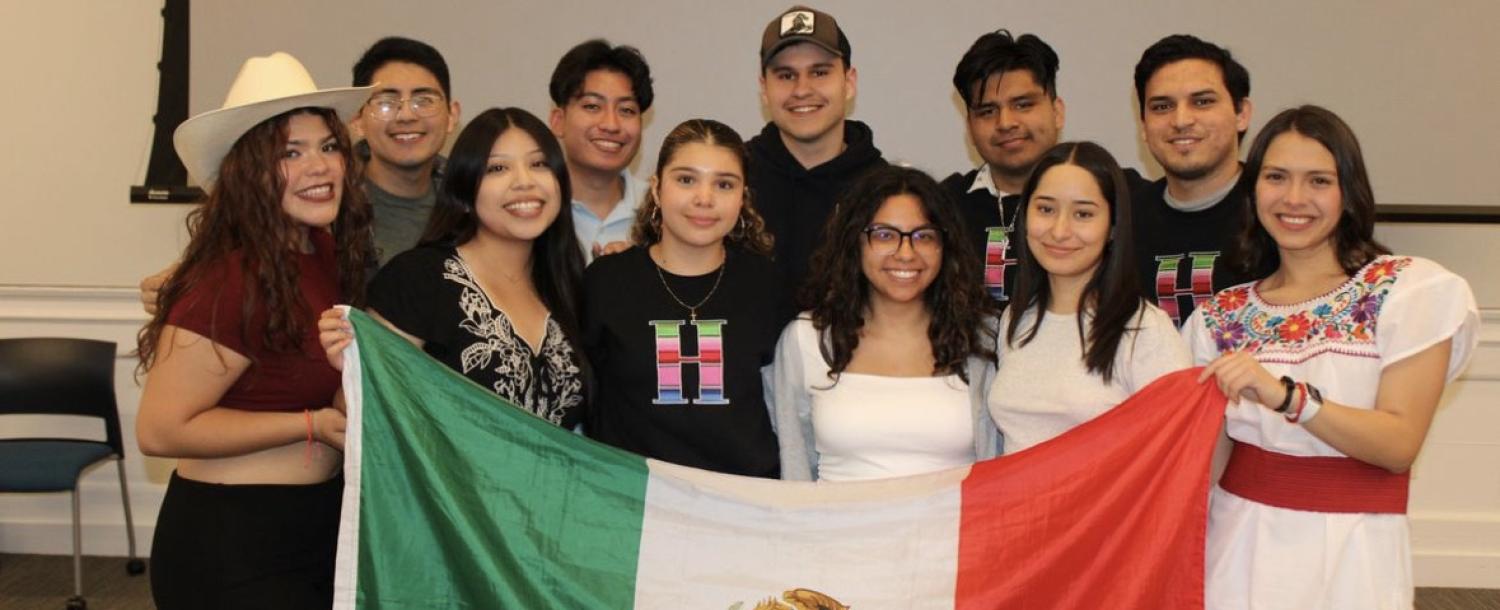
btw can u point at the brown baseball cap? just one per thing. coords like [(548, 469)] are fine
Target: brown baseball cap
[(803, 24)]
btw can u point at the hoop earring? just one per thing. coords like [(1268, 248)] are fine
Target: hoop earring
[(738, 232)]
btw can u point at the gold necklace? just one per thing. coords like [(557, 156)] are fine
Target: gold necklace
[(692, 309)]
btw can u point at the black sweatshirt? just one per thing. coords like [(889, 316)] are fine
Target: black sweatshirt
[(796, 201)]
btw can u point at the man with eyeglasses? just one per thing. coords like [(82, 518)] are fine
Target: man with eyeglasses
[(404, 125)]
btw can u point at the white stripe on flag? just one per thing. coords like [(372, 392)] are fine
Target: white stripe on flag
[(719, 541), (346, 571)]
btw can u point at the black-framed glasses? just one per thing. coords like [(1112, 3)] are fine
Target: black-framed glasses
[(386, 107), (886, 240)]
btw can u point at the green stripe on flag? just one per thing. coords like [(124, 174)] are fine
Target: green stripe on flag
[(532, 518)]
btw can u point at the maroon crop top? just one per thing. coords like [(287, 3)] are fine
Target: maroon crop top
[(290, 381)]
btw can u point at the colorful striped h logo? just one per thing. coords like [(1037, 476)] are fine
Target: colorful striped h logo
[(1201, 285), (709, 358), (996, 259)]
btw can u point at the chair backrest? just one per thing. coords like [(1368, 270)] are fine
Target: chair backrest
[(55, 376)]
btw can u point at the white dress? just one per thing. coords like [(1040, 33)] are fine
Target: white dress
[(1043, 388), (1271, 558)]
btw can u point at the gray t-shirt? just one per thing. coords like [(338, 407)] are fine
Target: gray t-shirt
[(398, 221)]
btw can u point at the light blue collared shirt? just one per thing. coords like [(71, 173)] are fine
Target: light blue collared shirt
[(616, 227)]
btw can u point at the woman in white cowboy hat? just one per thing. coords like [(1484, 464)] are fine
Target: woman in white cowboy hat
[(237, 388)]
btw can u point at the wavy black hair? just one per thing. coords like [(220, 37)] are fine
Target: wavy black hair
[(1354, 237), (556, 260), (597, 54), (839, 293), (996, 53), (1113, 294), (242, 215)]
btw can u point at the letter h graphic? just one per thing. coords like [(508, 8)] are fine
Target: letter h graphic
[(996, 259), (709, 359), (1201, 284)]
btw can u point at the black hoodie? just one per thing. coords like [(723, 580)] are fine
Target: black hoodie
[(797, 201)]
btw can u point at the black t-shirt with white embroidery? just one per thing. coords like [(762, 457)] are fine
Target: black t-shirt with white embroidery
[(429, 293), (677, 389)]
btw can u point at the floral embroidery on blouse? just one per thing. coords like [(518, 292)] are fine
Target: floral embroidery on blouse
[(548, 384), (1343, 320)]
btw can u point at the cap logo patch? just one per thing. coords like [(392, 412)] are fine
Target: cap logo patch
[(796, 23)]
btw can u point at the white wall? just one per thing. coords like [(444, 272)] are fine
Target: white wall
[(83, 77)]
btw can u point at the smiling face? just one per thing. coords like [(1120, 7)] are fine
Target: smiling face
[(600, 128), (518, 198), (1013, 122), (313, 167), (1067, 225), (700, 190), (903, 273), (1191, 125), (807, 89), (406, 140), (1297, 195)]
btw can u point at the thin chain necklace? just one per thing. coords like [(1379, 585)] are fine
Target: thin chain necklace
[(692, 309)]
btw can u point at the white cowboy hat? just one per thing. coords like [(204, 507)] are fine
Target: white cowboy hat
[(264, 88)]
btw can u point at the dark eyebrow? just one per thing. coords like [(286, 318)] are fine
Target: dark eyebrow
[(602, 97), (417, 91)]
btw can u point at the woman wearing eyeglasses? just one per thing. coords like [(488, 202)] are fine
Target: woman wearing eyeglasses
[(1079, 337), (886, 374), (679, 326)]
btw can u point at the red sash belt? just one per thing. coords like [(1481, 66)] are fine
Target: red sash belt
[(1319, 484)]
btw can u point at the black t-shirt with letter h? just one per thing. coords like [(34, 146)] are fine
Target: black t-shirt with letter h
[(679, 387)]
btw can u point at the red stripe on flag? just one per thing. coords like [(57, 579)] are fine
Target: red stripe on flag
[(1111, 514)]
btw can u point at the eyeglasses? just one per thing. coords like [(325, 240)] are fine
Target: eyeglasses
[(386, 107), (886, 240)]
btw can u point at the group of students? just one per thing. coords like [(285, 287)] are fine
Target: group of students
[(793, 306)]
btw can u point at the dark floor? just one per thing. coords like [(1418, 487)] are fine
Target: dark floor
[(44, 582)]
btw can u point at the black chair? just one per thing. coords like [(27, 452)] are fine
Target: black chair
[(62, 377)]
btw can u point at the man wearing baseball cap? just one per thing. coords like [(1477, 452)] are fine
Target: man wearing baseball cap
[(802, 160)]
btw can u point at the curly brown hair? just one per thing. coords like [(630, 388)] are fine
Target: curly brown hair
[(749, 231), (963, 321), (242, 213)]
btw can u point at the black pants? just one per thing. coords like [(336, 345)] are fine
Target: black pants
[(245, 546)]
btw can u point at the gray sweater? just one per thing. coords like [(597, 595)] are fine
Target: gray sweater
[(789, 380)]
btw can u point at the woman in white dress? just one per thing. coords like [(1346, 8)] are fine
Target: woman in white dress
[(885, 375), (1079, 336), (1334, 363)]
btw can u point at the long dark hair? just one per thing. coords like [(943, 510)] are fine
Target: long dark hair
[(243, 214), (750, 229), (839, 292), (556, 262), (1354, 237), (1113, 294)]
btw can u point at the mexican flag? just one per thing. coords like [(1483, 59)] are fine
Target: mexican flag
[(456, 499)]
